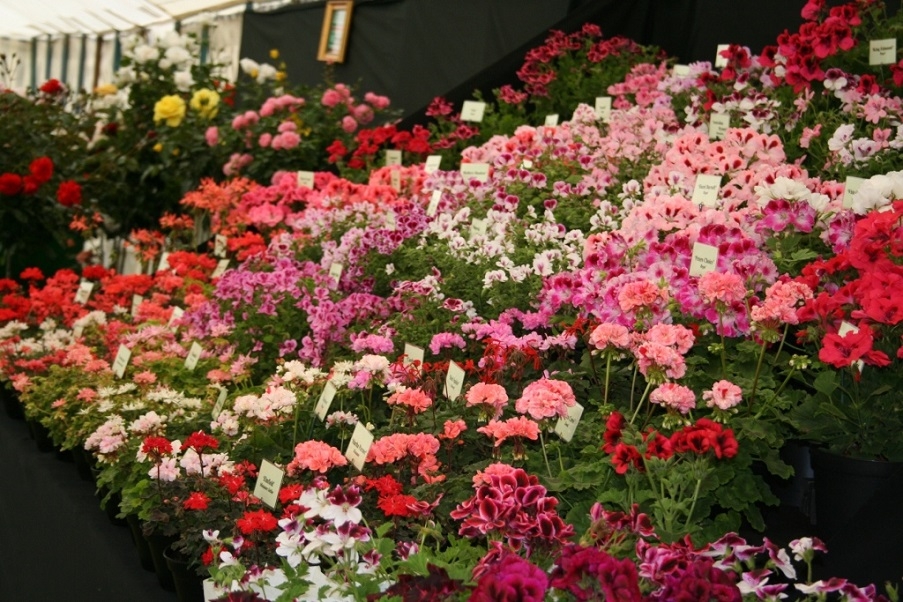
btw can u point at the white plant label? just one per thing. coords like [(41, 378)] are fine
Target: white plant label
[(164, 261), (721, 61), (177, 313), (705, 259), (850, 188), (478, 227), (359, 446), (194, 354), (220, 245), (84, 292), (137, 300), (681, 70), (473, 110), (603, 108), (454, 381), (306, 179), (390, 222), (551, 120), (269, 482), (220, 402), (335, 270), (718, 125), (413, 353), (706, 190), (325, 401), (475, 171), (883, 52), (122, 361), (567, 426), (432, 163), (221, 266), (395, 181), (393, 157), (434, 203)]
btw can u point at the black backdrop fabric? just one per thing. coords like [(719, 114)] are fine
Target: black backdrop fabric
[(415, 50)]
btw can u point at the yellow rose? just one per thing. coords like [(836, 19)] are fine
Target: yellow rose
[(105, 90), (158, 147), (274, 54), (171, 109), (205, 102)]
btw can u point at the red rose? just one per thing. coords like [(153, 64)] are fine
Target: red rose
[(31, 274), (10, 184), (52, 86), (30, 185), (41, 169), (69, 194)]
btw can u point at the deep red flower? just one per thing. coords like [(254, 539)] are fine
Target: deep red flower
[(843, 351), (290, 493), (52, 87), (201, 441), (624, 457), (10, 184), (613, 427), (69, 194), (32, 274), (196, 501), (397, 505), (232, 482), (94, 272), (256, 521), (156, 447), (41, 169)]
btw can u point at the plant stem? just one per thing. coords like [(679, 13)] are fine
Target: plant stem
[(752, 395), (640, 404), (545, 456), (780, 345), (693, 504), (608, 355), (723, 349)]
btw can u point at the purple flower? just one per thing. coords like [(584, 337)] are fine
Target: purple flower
[(511, 579)]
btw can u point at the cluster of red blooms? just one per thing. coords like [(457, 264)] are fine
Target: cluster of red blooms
[(864, 285), (700, 438), (371, 141), (68, 194)]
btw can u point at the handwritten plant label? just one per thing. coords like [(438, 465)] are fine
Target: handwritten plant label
[(78, 330), (720, 60), (393, 157), (221, 266), (434, 203), (137, 300), (326, 397), (478, 227), (84, 292), (475, 171), (164, 261), (551, 120), (718, 125), (177, 313), (390, 222), (603, 108), (473, 110), (705, 259), (395, 181), (432, 163), (846, 328), (681, 70), (883, 52), (526, 164), (220, 402), (359, 446), (850, 188), (122, 361), (567, 426), (220, 245), (413, 353), (454, 381), (335, 270), (306, 179), (269, 482), (706, 190), (194, 354)]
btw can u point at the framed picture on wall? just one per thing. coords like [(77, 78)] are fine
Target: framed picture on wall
[(334, 36)]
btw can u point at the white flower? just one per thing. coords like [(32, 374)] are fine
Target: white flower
[(178, 55), (249, 66), (183, 80), (266, 73), (146, 54)]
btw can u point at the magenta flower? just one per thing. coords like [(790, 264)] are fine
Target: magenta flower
[(512, 579)]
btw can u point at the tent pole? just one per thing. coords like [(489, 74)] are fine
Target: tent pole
[(97, 57), (64, 73), (82, 57), (49, 58), (34, 63)]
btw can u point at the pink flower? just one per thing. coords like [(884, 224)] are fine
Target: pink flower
[(212, 135), (315, 456), (640, 294), (610, 335), (331, 98), (380, 102), (726, 288), (145, 378), (724, 395), (491, 398), (414, 399), (445, 340), (546, 398), (452, 429), (349, 124), (674, 396), (265, 140), (286, 140), (518, 427), (363, 114)]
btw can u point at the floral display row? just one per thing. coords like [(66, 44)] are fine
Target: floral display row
[(561, 365)]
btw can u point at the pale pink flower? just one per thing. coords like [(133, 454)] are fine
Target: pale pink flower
[(609, 335), (212, 135), (496, 469), (145, 378), (673, 335), (724, 395), (349, 124), (58, 403), (167, 470), (674, 396), (86, 394), (546, 398), (315, 456), (657, 361)]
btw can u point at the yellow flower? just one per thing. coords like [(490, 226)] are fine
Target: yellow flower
[(105, 90), (171, 109), (274, 54), (205, 102), (280, 76), (158, 147)]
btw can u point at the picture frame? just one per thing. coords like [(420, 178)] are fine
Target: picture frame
[(334, 34)]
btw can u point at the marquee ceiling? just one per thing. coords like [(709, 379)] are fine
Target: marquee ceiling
[(25, 19)]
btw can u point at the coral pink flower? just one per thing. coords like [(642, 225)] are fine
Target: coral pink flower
[(491, 398), (726, 288), (414, 399), (546, 398), (452, 429), (610, 335), (315, 456)]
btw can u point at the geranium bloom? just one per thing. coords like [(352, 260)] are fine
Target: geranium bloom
[(197, 500), (414, 399), (315, 456), (512, 579), (724, 288), (610, 335), (491, 398), (343, 506), (723, 395), (256, 522), (546, 398)]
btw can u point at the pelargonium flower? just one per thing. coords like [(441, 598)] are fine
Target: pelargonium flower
[(610, 335), (546, 398), (512, 579), (490, 397), (674, 396), (255, 522), (315, 456), (724, 395), (415, 400)]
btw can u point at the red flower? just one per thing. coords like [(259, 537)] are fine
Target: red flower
[(232, 482), (41, 169), (196, 501), (156, 446), (10, 184), (52, 87), (843, 351), (69, 194), (31, 274), (201, 441), (256, 521), (613, 428), (30, 185), (397, 505), (624, 457), (207, 557), (94, 272)]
